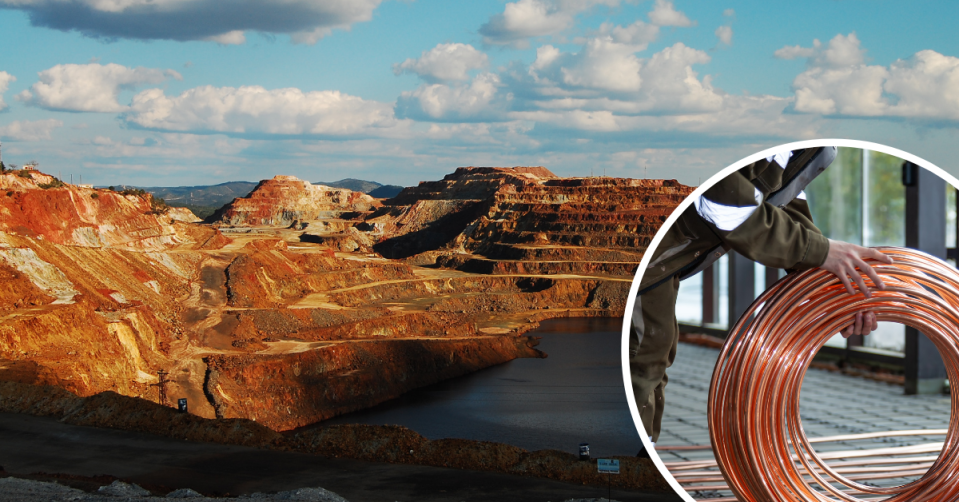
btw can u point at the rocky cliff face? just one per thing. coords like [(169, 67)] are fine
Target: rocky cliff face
[(258, 317), (511, 219), (337, 378), (283, 200), (39, 206), (89, 278)]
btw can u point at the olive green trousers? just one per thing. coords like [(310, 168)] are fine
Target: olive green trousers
[(654, 334)]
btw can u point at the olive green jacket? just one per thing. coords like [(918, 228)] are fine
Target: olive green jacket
[(734, 214)]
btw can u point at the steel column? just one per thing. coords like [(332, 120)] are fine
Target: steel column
[(925, 231), (741, 285), (711, 294)]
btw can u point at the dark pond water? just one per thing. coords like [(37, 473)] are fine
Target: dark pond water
[(574, 396)]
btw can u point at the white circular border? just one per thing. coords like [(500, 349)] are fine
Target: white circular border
[(647, 256)]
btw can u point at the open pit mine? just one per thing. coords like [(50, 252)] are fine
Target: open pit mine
[(301, 302)]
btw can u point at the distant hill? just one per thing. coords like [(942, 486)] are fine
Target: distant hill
[(204, 200), (371, 188), (385, 191), (351, 184)]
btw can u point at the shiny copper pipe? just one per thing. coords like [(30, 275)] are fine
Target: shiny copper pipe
[(753, 410)]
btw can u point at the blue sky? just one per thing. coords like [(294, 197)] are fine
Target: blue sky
[(183, 92)]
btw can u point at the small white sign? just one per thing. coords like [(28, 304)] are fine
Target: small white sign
[(608, 465)]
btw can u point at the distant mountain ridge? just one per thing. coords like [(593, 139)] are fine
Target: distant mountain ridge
[(371, 188), (351, 184), (385, 191), (203, 200)]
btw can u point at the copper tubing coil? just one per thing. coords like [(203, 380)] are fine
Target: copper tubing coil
[(753, 408), (693, 474), (825, 439)]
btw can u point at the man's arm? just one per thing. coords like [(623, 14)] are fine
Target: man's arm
[(785, 238), (734, 210)]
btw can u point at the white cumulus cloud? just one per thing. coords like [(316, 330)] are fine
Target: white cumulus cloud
[(927, 85), (839, 82), (254, 110), (846, 91), (444, 62), (475, 101), (603, 65), (740, 115), (89, 87), (638, 34), (796, 51), (725, 34), (235, 37), (5, 79), (30, 130), (671, 82), (609, 87), (842, 51), (306, 21), (664, 14), (606, 73), (524, 19)]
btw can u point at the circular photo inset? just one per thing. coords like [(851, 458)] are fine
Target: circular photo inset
[(793, 328)]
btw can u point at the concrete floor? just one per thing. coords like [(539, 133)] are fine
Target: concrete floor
[(830, 404)]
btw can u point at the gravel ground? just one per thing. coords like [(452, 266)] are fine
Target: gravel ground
[(25, 490)]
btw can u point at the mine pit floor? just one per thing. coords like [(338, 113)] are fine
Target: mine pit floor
[(40, 444)]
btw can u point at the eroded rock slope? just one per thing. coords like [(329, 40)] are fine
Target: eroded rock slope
[(302, 302)]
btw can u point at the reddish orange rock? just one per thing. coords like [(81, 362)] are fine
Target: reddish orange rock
[(283, 200), (37, 205), (358, 302)]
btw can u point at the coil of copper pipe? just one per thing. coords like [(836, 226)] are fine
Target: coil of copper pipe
[(753, 409)]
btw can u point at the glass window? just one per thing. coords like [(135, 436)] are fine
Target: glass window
[(889, 336), (837, 341), (689, 301), (885, 225), (759, 279), (723, 291), (885, 215), (835, 197)]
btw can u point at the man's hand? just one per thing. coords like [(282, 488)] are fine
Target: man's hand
[(865, 323), (843, 260)]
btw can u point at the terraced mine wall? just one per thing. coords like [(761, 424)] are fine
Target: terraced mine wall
[(283, 310), (502, 221)]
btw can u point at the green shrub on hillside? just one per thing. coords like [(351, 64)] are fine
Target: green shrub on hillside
[(158, 206), (55, 183), (133, 191)]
